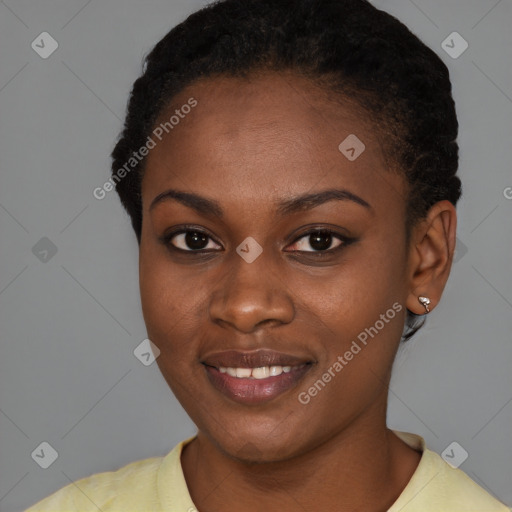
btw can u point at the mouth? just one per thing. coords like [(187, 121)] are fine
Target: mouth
[(255, 377)]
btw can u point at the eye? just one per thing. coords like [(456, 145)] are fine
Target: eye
[(321, 240), (189, 240)]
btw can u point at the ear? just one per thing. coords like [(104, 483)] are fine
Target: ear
[(432, 246)]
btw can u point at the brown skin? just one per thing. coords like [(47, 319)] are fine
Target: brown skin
[(248, 145)]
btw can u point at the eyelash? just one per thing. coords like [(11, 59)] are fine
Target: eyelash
[(166, 240)]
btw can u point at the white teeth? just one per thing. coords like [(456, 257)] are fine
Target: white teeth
[(243, 372), (276, 370), (256, 373), (261, 373)]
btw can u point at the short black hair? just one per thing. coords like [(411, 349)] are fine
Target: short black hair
[(349, 47)]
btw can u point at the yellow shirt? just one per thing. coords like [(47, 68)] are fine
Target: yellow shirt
[(158, 484)]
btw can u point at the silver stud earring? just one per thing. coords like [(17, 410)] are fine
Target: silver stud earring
[(425, 301)]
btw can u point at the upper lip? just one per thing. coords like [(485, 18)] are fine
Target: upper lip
[(252, 359)]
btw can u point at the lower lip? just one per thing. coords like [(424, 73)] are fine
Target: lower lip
[(253, 391)]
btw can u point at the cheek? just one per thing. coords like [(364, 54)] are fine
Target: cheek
[(166, 300), (360, 290), (168, 320), (361, 324), (362, 302)]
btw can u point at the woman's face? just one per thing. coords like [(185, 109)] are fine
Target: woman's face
[(258, 167)]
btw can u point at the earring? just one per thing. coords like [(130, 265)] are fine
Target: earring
[(425, 301)]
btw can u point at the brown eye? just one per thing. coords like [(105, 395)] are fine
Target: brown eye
[(319, 241), (190, 240)]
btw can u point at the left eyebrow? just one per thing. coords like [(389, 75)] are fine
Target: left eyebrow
[(210, 207), (309, 201)]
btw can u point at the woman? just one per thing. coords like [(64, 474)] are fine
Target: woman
[(290, 173)]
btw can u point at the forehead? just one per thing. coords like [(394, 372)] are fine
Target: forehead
[(264, 137)]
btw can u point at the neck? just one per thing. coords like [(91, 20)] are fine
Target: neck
[(364, 467)]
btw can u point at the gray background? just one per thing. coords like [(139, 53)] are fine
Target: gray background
[(71, 321)]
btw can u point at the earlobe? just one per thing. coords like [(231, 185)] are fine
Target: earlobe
[(431, 256)]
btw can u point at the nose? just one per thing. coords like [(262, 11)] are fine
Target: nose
[(251, 294)]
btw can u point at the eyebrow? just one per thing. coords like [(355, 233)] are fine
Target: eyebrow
[(210, 207)]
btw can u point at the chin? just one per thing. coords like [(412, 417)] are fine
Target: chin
[(258, 445)]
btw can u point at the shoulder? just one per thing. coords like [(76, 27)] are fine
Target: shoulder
[(457, 491), (127, 488), (438, 486)]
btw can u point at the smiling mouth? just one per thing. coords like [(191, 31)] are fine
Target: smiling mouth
[(261, 372), (255, 376)]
